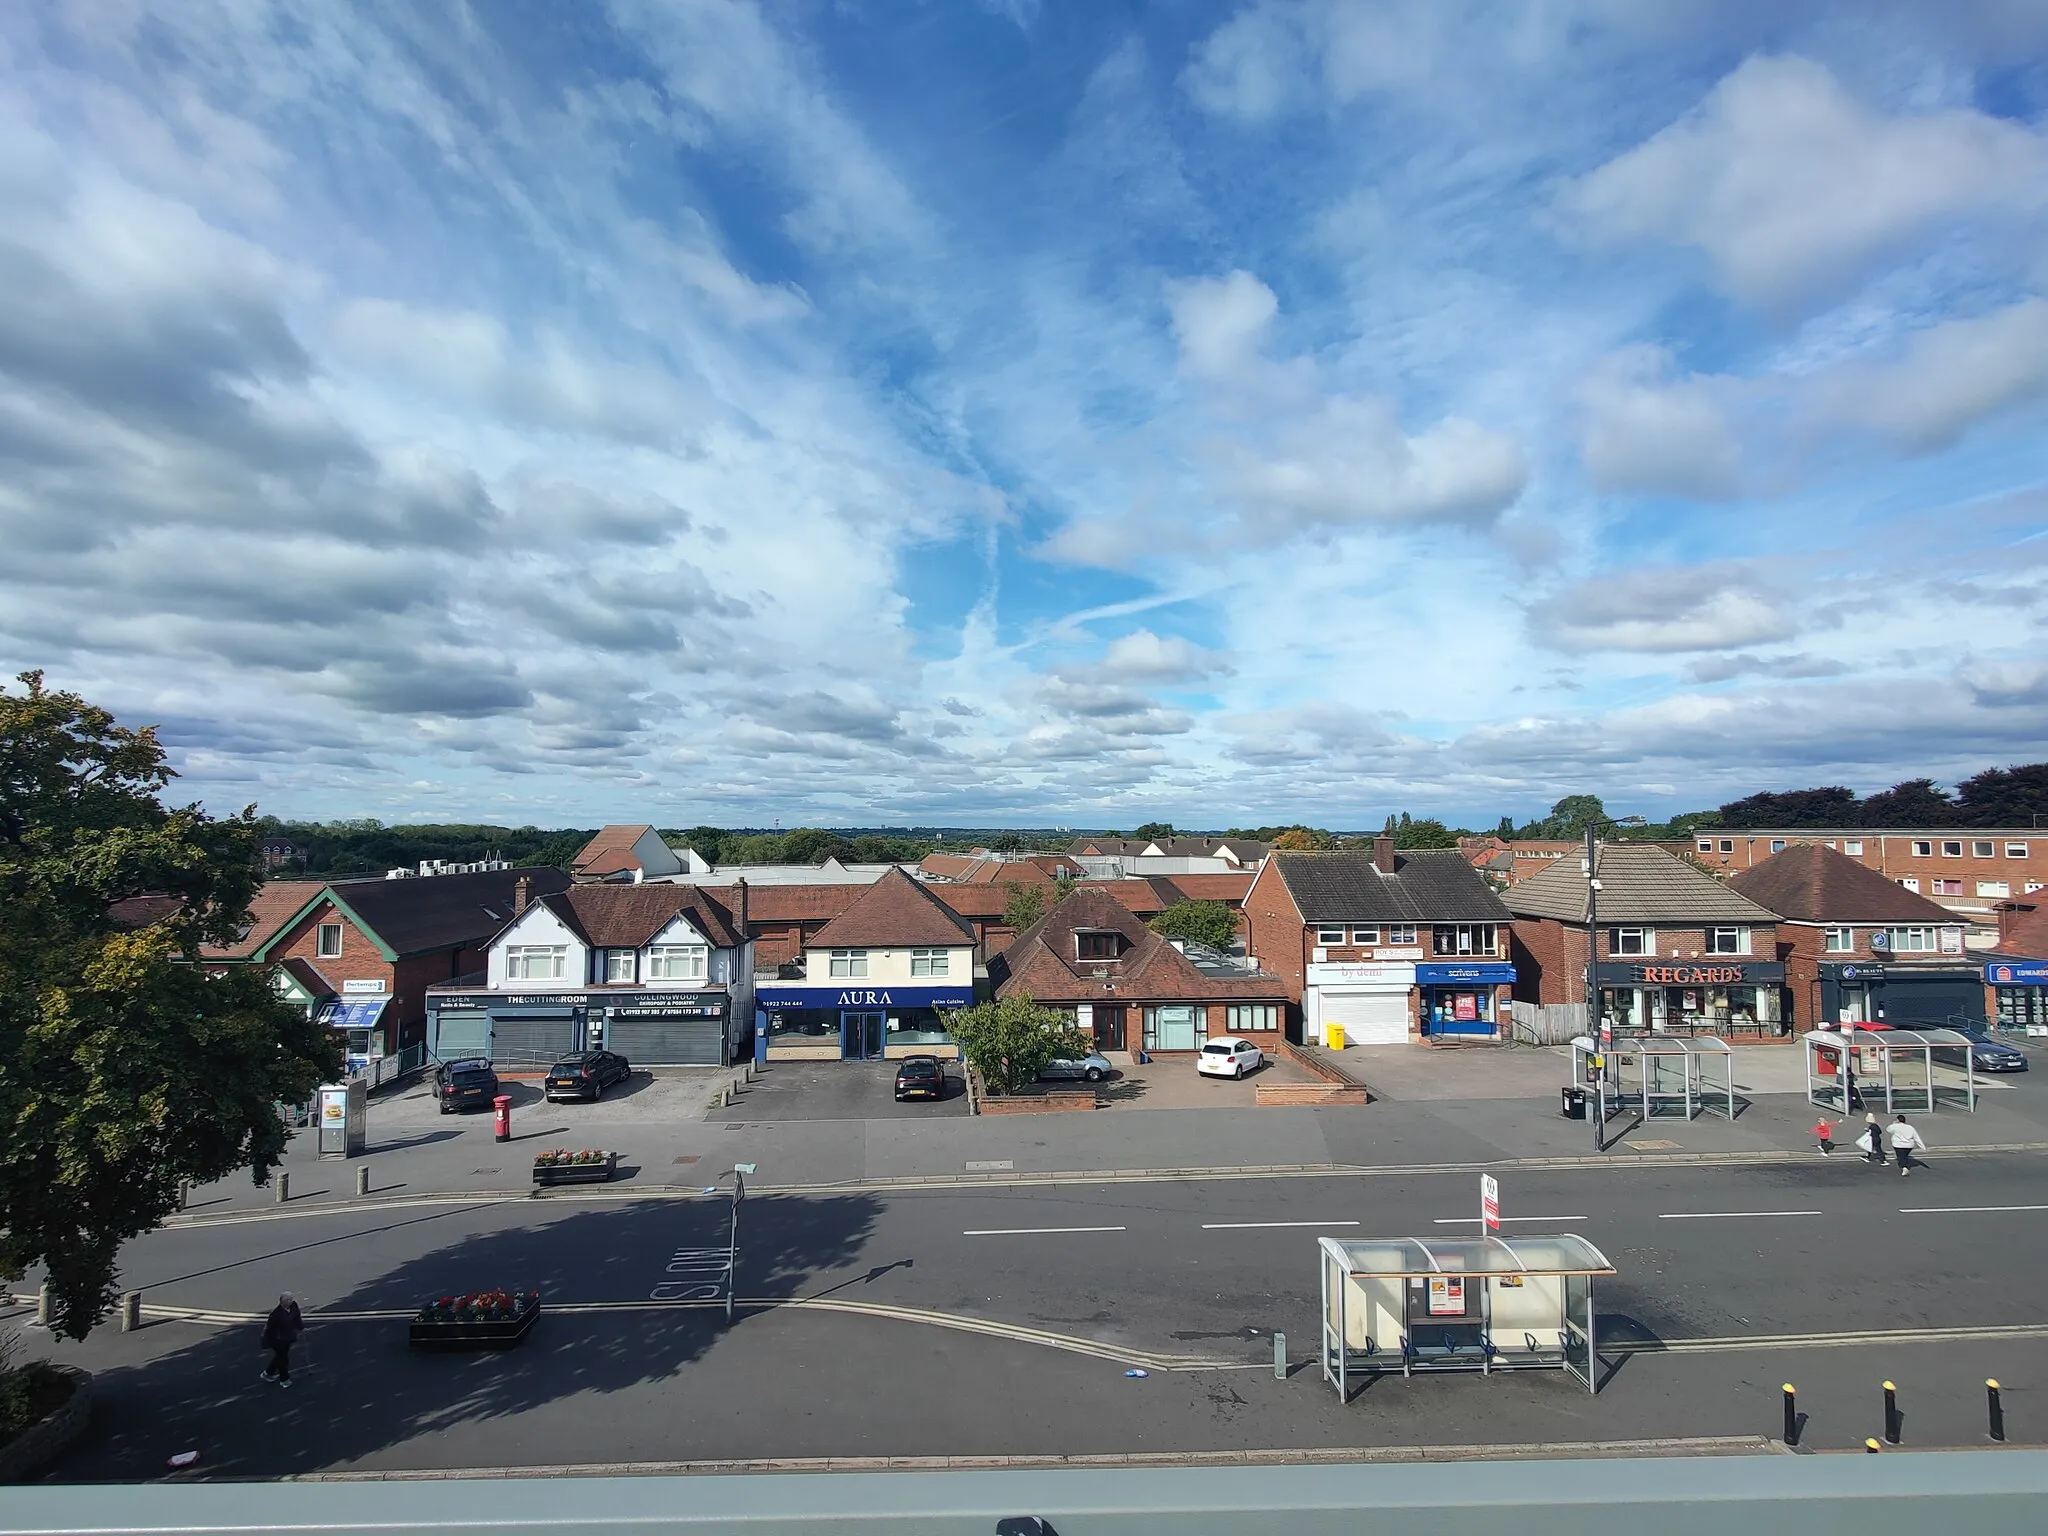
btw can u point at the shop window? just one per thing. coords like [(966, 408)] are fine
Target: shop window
[(327, 942), (1994, 888), (849, 962), (1365, 935), (1401, 933), (1948, 887), (1463, 939), (2015, 850), (677, 962), (536, 962), (1921, 849), (1631, 941), (1853, 846), (931, 962), (1912, 941), (1952, 850), (1249, 1018), (1103, 945), (1175, 1027), (1839, 941), (618, 965), (1327, 936), (1983, 848), (1727, 941)]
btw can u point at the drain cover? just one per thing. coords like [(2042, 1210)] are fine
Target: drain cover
[(483, 1170), (737, 1125), (688, 1157), (1652, 1144), (1001, 1165)]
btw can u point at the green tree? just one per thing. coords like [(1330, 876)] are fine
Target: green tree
[(1063, 886), (811, 845), (1010, 1041), (708, 841), (1153, 829), (2003, 797), (1567, 819), (1006, 842), (1427, 833), (124, 1068), (1025, 906), (1206, 922)]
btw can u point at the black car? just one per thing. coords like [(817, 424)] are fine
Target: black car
[(468, 1084), (585, 1075), (1992, 1055), (920, 1077)]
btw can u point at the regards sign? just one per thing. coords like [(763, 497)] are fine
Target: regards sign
[(1693, 974)]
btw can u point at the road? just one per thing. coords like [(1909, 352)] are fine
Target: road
[(1003, 1319)]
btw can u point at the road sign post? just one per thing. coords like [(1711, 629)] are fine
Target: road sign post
[(1489, 1204)]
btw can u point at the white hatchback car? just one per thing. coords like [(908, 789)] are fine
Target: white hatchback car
[(1229, 1057)]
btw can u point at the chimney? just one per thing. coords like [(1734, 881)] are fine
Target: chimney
[(739, 907), (522, 893), (1383, 854)]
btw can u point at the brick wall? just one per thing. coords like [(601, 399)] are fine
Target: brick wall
[(1274, 933), (1550, 961), (405, 981)]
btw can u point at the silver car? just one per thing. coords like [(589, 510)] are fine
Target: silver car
[(1094, 1066)]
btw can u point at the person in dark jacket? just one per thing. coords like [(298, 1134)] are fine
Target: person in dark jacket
[(280, 1332)]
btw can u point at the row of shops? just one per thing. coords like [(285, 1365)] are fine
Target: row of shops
[(1384, 1002), (697, 1027), (857, 1023)]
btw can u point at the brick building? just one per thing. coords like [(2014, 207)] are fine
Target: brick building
[(1678, 950), (1969, 871), (1390, 945), (1130, 988), (1859, 948), (2016, 975)]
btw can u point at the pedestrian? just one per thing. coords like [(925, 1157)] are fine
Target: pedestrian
[(1870, 1140), (1905, 1142), (1823, 1132), (280, 1332)]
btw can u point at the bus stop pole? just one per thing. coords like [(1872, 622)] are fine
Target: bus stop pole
[(1599, 1104)]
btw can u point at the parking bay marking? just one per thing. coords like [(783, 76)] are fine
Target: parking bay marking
[(1033, 1231)]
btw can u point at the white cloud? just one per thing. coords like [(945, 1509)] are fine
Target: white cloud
[(1947, 378), (2006, 684), (1680, 608), (1791, 187), (1645, 431), (1254, 66), (1143, 657)]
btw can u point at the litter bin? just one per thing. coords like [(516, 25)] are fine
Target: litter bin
[(1574, 1107), (1333, 1036)]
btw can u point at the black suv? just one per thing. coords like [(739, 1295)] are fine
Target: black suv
[(585, 1075), (469, 1084)]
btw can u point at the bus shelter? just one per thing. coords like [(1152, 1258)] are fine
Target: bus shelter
[(1458, 1304), (1676, 1075), (1895, 1070)]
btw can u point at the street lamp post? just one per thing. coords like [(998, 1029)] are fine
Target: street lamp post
[(738, 1174), (1597, 1110)]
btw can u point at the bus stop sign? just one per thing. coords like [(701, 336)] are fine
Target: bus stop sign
[(1489, 1203)]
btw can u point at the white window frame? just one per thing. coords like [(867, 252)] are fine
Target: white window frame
[(1994, 888), (1948, 885), (1741, 939), (616, 960), (1838, 941), (1952, 848), (1853, 846), (1465, 938), (520, 962), (2015, 850), (1727, 845), (931, 962), (1252, 1018), (1906, 941), (1646, 938), (1922, 848), (1401, 933), (1330, 935), (1983, 848), (2036, 885), (678, 962), (321, 951), (1777, 845), (1366, 936), (848, 964), (1910, 883), (1706, 844)]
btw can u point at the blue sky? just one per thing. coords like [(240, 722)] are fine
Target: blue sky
[(873, 413)]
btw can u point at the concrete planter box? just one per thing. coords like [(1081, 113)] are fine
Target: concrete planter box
[(53, 1434), (496, 1334), (577, 1173)]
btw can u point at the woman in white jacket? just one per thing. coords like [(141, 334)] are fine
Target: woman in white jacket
[(1905, 1142)]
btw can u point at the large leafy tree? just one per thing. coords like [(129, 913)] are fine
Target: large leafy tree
[(2004, 797), (1011, 1040), (1915, 803), (124, 1067), (1206, 922)]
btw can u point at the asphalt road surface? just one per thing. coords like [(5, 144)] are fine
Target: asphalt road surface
[(986, 1321)]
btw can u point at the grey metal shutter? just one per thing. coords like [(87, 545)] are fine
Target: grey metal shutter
[(667, 1042), (1368, 1018), (533, 1042), (1935, 1001), (462, 1033)]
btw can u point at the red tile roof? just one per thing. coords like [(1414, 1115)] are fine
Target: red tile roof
[(1814, 884), (795, 903), (1229, 888), (143, 911), (895, 910), (2026, 931), (1043, 961), (275, 903), (628, 916), (611, 850)]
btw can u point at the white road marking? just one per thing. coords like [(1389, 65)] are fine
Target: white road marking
[(1453, 1221), (1238, 1226), (1032, 1231), (1718, 1215), (1944, 1210)]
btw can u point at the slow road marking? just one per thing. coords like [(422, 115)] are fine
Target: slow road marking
[(1240, 1226), (1726, 1215), (1032, 1231)]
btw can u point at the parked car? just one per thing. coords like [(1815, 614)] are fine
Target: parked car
[(1229, 1057), (584, 1075), (1988, 1054), (465, 1084), (1094, 1066), (920, 1077)]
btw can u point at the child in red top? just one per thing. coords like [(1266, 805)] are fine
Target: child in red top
[(1824, 1134)]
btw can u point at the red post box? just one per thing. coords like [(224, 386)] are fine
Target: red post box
[(501, 1111)]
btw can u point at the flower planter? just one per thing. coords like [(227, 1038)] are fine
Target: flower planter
[(476, 1332), (576, 1173), (50, 1436)]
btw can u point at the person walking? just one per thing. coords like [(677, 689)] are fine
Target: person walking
[(1905, 1142), (1823, 1132), (280, 1332), (1872, 1141)]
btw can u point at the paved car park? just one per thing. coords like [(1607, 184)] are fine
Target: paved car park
[(1171, 1082), (676, 1094), (837, 1090)]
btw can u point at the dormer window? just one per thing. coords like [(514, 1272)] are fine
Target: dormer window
[(1099, 945)]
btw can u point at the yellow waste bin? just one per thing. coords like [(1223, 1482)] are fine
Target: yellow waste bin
[(1333, 1036)]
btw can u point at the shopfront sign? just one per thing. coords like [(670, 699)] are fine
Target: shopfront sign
[(787, 999), (682, 1006), (1473, 973), (2017, 973), (1692, 973), (363, 986), (1363, 973)]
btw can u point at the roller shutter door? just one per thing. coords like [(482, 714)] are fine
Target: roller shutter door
[(670, 1042), (1368, 1018), (462, 1034), (1935, 1002), (533, 1042)]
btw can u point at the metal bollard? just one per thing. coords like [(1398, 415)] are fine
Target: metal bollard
[(131, 1311), (1280, 1356), (1997, 1411), (1791, 1415), (184, 1193), (280, 1187), (363, 1180), (1891, 1414), (43, 1307)]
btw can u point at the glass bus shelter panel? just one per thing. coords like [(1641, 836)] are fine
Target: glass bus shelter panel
[(1581, 1354)]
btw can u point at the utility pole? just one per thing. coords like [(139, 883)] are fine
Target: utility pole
[(1597, 1110)]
